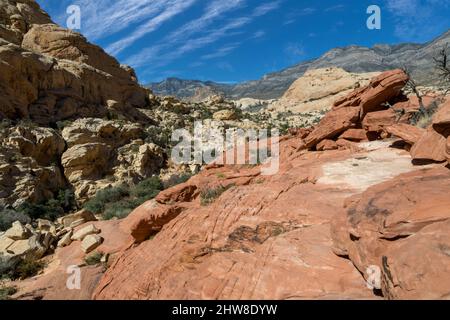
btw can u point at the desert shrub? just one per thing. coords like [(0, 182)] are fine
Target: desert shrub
[(93, 259), (24, 269), (52, 208), (121, 209), (118, 202), (209, 195), (177, 179), (423, 118), (60, 125), (106, 196), (8, 216), (6, 292), (148, 188)]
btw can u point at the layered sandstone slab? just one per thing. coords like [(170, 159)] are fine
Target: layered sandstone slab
[(401, 226)]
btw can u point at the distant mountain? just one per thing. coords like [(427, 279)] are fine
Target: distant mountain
[(418, 58)]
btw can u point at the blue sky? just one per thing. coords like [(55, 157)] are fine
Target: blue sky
[(238, 40)]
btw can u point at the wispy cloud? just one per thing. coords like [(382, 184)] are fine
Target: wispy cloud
[(186, 39), (418, 19), (172, 9), (221, 52), (293, 16), (103, 18), (294, 50), (266, 8), (337, 7), (258, 34)]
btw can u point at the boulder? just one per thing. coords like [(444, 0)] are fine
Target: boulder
[(66, 239), (441, 120), (225, 115), (77, 223), (148, 219), (46, 226), (317, 89), (82, 215), (5, 242), (356, 135), (430, 147), (381, 89), (447, 150), (409, 134), (86, 161), (17, 232), (179, 193), (388, 225), (94, 130), (326, 144), (377, 121), (334, 123), (83, 232), (91, 242), (31, 248)]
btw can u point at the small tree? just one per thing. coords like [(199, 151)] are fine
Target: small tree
[(412, 85), (442, 65)]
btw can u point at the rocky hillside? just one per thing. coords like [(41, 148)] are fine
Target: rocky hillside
[(418, 58), (354, 201)]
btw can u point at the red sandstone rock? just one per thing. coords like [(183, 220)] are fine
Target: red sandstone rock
[(430, 147), (356, 135), (148, 219), (180, 193), (242, 245), (326, 145), (381, 89), (447, 150), (402, 226), (406, 132), (334, 123), (300, 132), (441, 120), (377, 121)]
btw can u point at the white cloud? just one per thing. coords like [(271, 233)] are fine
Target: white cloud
[(266, 8), (222, 52), (102, 18), (418, 19), (295, 50), (182, 41), (172, 9)]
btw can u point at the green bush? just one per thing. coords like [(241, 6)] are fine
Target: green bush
[(93, 259), (176, 180), (121, 209), (52, 208), (148, 188), (6, 292), (118, 202), (209, 195), (24, 269), (8, 216), (106, 196)]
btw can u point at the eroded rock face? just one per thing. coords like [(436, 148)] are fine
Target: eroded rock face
[(430, 147), (318, 89), (16, 17), (401, 226), (441, 120), (100, 150), (29, 170), (381, 89), (54, 74)]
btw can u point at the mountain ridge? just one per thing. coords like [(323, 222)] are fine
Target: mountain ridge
[(380, 57)]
